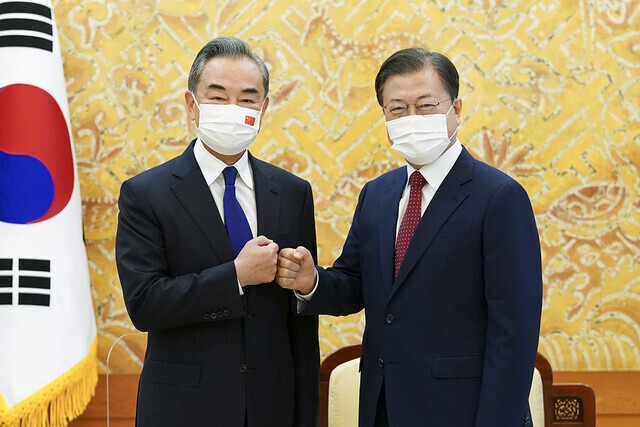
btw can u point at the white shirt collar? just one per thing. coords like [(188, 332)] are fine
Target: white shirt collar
[(436, 171), (212, 167)]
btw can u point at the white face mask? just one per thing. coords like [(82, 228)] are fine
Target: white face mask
[(420, 139), (228, 129)]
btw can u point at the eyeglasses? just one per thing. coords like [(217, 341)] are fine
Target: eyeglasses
[(399, 108)]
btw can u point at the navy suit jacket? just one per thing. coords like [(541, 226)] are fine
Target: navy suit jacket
[(214, 357), (454, 336)]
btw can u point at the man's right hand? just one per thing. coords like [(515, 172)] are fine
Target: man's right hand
[(296, 270), (256, 263)]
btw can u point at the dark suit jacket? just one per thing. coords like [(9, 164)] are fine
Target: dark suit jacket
[(213, 355), (454, 336)]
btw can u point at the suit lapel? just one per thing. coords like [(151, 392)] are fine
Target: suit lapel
[(449, 196), (267, 210), (267, 198), (194, 194), (389, 201)]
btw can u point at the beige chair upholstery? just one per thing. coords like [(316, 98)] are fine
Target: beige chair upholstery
[(550, 404), (344, 392), (536, 400)]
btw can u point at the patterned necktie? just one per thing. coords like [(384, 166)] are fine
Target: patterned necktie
[(234, 218), (411, 218)]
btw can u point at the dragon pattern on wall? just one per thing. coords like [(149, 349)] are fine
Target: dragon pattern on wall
[(551, 95)]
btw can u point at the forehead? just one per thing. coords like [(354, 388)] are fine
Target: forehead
[(232, 74), (411, 86)]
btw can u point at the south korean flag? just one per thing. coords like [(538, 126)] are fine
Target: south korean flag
[(48, 366)]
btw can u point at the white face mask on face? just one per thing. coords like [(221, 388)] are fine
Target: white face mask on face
[(420, 139), (228, 129)]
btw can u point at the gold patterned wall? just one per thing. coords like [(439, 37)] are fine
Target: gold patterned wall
[(551, 95)]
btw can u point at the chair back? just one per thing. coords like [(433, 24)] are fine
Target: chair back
[(550, 404)]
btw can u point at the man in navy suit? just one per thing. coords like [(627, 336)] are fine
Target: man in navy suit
[(196, 250), (444, 257)]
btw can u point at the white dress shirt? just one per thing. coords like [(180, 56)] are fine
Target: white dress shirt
[(435, 172), (212, 168)]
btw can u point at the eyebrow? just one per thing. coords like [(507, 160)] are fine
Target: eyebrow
[(250, 90), (417, 99), (220, 87)]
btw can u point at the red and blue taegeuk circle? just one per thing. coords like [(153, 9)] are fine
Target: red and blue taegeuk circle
[(36, 161)]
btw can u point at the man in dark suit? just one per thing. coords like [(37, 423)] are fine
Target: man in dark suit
[(444, 257), (225, 347)]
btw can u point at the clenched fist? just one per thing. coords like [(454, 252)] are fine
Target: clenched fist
[(296, 270), (257, 261)]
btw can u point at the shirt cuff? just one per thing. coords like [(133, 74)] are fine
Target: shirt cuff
[(304, 299)]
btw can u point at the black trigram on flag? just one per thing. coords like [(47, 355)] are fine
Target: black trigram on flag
[(31, 282), (25, 24)]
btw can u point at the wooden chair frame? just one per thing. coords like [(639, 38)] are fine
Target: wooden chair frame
[(565, 405)]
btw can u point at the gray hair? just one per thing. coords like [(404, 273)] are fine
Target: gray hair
[(225, 46), (415, 59)]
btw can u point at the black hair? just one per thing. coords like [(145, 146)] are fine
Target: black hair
[(415, 59), (225, 46)]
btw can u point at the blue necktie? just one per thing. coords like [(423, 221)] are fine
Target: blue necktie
[(234, 218)]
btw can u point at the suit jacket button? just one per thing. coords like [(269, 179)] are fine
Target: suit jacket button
[(213, 316), (381, 363), (226, 313), (242, 368), (206, 316), (389, 318)]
